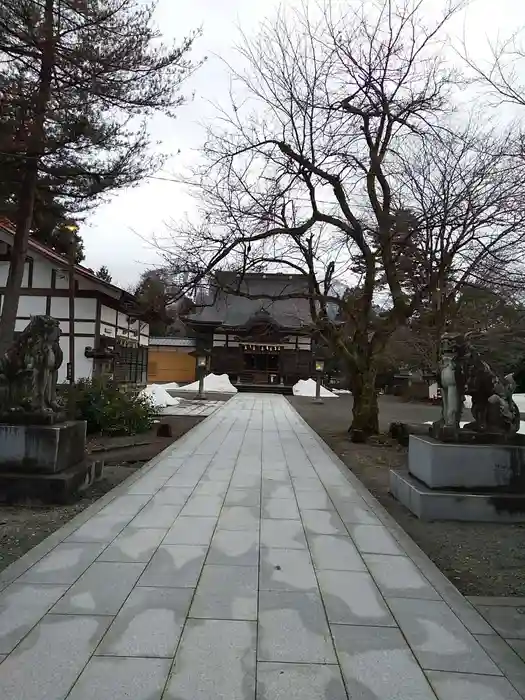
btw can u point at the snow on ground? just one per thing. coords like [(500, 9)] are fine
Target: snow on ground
[(342, 391), (219, 383), (159, 396), (306, 387), (171, 385), (519, 400)]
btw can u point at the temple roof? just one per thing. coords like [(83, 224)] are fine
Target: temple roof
[(233, 310)]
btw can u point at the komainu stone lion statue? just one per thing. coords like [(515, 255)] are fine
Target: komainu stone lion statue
[(28, 370), (493, 408), (461, 372)]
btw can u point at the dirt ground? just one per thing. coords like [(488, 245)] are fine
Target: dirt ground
[(479, 558), (23, 526)]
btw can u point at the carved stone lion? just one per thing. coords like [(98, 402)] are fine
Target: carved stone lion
[(462, 371), (493, 408), (28, 370)]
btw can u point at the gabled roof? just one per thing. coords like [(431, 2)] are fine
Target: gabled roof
[(233, 310), (55, 258)]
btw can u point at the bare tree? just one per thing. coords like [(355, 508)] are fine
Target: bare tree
[(341, 159), (501, 73)]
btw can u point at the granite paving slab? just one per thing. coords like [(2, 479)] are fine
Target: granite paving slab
[(130, 504), (191, 530), (174, 566), (280, 509), (314, 500), (64, 564), (282, 534), (48, 661), (121, 679), (507, 621), (352, 598), (216, 659), (464, 686), (299, 682), (21, 607), (374, 539), (239, 518), (286, 570), (149, 623), (293, 627), (243, 497), (398, 577), (234, 548), (438, 639), (101, 528), (377, 664), (506, 658), (156, 516), (337, 553), (519, 646), (229, 567), (101, 590), (133, 545), (226, 593), (172, 496), (323, 522), (354, 513)]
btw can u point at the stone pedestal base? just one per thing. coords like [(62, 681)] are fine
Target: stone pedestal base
[(460, 466), (45, 462), (440, 504), (63, 487), (43, 449)]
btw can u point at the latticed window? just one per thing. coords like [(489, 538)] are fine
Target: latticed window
[(131, 364)]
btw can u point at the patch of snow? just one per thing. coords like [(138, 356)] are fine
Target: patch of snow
[(342, 391), (171, 385), (433, 391), (159, 396), (306, 387), (520, 401), (212, 382)]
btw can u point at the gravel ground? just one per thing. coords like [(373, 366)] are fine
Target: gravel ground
[(479, 558)]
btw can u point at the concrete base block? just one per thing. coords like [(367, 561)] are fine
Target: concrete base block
[(431, 504), (43, 449), (62, 487), (451, 465)]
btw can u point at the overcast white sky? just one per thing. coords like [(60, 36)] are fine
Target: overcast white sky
[(110, 234)]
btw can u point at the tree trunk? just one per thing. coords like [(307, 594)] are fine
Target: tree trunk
[(18, 259), (26, 198), (365, 412)]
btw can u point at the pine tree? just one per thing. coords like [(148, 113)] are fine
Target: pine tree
[(80, 78), (104, 274)]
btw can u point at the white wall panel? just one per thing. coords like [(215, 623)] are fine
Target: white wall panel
[(60, 307), (31, 306), (41, 274), (85, 308)]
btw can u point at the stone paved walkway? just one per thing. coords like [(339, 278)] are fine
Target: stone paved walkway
[(244, 562)]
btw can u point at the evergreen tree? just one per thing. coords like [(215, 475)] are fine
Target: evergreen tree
[(79, 79), (104, 274)]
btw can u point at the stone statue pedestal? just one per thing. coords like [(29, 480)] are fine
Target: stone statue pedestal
[(466, 466), (462, 481), (46, 462)]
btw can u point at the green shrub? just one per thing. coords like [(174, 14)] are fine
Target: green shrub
[(112, 410)]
